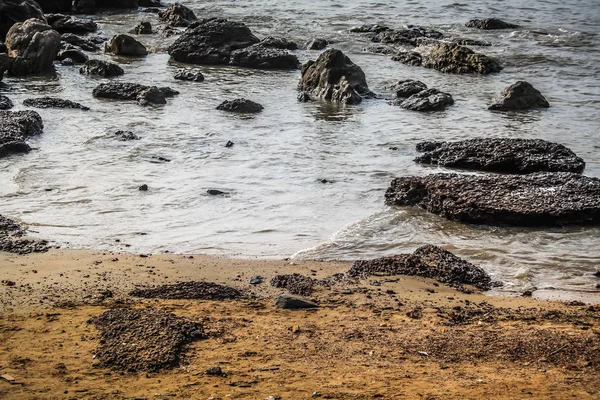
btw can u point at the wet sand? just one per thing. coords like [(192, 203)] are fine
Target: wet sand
[(398, 337)]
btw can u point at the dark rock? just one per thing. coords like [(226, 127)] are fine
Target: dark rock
[(406, 36), (369, 28), (214, 371), (216, 192), (453, 58), (6, 282), (83, 44), (392, 265), (380, 49), (143, 28), (56, 6), (68, 61), (527, 293), (125, 136), (294, 303), (260, 56), (240, 106), (229, 143), (490, 23), (177, 15), (77, 56), (427, 100), (537, 199), (513, 156), (49, 102), (101, 68), (125, 45), (33, 45), (15, 127), (189, 290), (12, 234), (597, 274), (407, 88), (145, 95), (470, 42), (409, 58), (3, 48), (150, 3), (68, 24), (256, 280), (151, 96), (334, 77), (519, 96), (13, 11), (279, 43), (316, 44), (143, 339), (143, 188), (187, 75), (5, 103), (294, 283), (91, 6)]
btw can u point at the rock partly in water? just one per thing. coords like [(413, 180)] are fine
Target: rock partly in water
[(125, 45), (33, 45), (145, 95), (126, 136), (513, 156), (409, 58), (69, 24), (12, 236), (403, 37), (189, 290), (334, 77), (240, 106), (143, 339), (537, 199), (279, 43), (5, 103), (453, 58), (407, 87), (13, 11), (316, 44), (187, 75), (50, 102), (490, 23), (294, 303), (520, 95), (15, 128), (177, 15), (83, 43), (260, 56), (77, 56), (294, 283), (427, 100), (101, 68), (470, 42), (143, 28)]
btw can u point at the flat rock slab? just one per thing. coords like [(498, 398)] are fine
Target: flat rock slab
[(190, 290), (294, 303), (514, 156), (538, 199), (50, 102)]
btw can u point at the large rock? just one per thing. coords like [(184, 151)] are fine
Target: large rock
[(33, 45), (263, 57), (13, 11), (125, 45), (177, 15), (427, 100), (538, 199), (68, 24), (334, 77), (407, 87), (56, 6), (490, 23), (101, 68), (51, 102), (451, 57), (144, 95), (187, 75), (15, 128), (279, 43), (519, 96), (513, 156), (413, 58)]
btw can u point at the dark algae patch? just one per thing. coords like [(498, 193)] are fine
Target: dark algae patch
[(192, 290)]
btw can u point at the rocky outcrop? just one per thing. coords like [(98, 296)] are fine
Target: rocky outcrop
[(187, 75), (125, 45), (144, 95), (334, 77), (538, 199), (13, 11), (279, 43), (260, 56), (407, 87), (83, 43), (427, 100), (77, 56), (101, 68), (490, 23), (470, 42), (520, 95), (15, 128), (409, 58), (50, 102), (68, 24), (143, 28), (316, 44), (453, 58), (33, 45), (5, 103), (404, 37), (240, 106), (513, 156), (177, 15)]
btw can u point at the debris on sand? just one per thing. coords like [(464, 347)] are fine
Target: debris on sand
[(294, 303), (294, 283), (189, 290), (12, 241), (143, 340)]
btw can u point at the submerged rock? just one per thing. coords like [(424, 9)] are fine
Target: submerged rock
[(189, 290), (240, 106), (520, 95), (427, 100), (101, 68), (15, 128), (125, 45), (294, 303), (5, 103), (187, 75), (68, 24), (514, 156), (453, 58), (334, 77), (126, 136), (407, 87), (145, 95), (49, 102), (470, 42), (537, 199), (33, 45), (177, 15), (77, 56), (13, 11), (490, 23)]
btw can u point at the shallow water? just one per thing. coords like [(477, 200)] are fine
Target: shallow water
[(80, 185)]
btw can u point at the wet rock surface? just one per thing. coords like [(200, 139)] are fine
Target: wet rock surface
[(177, 15), (5, 103), (143, 28), (261, 56), (13, 11), (520, 95), (126, 136), (77, 56), (143, 340), (490, 23), (453, 58), (470, 42), (190, 290), (125, 45), (51, 102), (69, 24), (317, 44), (408, 36), (334, 77), (279, 43), (409, 58), (243, 106), (427, 100), (294, 303), (145, 95), (33, 45), (515, 156), (12, 237), (188, 75), (15, 128), (294, 283), (101, 68), (86, 44), (408, 87), (537, 199)]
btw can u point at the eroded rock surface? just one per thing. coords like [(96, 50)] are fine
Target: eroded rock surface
[(13, 11), (427, 100), (33, 45), (520, 95), (177, 15), (5, 103), (69, 24), (12, 237), (240, 106), (101, 68), (125, 45), (407, 87), (144, 95), (15, 128), (51, 102), (453, 58), (187, 75), (490, 23)]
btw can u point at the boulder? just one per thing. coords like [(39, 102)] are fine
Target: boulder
[(187, 75), (409, 58), (369, 28), (279, 43), (260, 56), (537, 199), (68, 24), (5, 103), (453, 58), (101, 68), (50, 102), (294, 303), (334, 77), (13, 11), (490, 23), (145, 95), (407, 87), (15, 128), (240, 106), (520, 95), (83, 43), (177, 15), (143, 28), (405, 37), (33, 45), (125, 45), (316, 44), (427, 100), (77, 56), (513, 156)]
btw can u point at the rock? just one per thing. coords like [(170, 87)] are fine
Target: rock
[(143, 28), (406, 36), (12, 236), (177, 15), (187, 75), (513, 156), (240, 106), (279, 43), (369, 28), (256, 280), (68, 61), (294, 303), (470, 42), (150, 3), (143, 188), (490, 23), (537, 199), (125, 136), (13, 11), (5, 64), (260, 56), (101, 68), (229, 143), (125, 45), (316, 44), (49, 102), (427, 100), (214, 371), (520, 95), (334, 77), (145, 95), (151, 96), (77, 56), (453, 58), (189, 290), (381, 49), (91, 6), (409, 58), (294, 283), (83, 44), (68, 24), (55, 6), (15, 128), (33, 45), (408, 87), (5, 103), (216, 192)]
